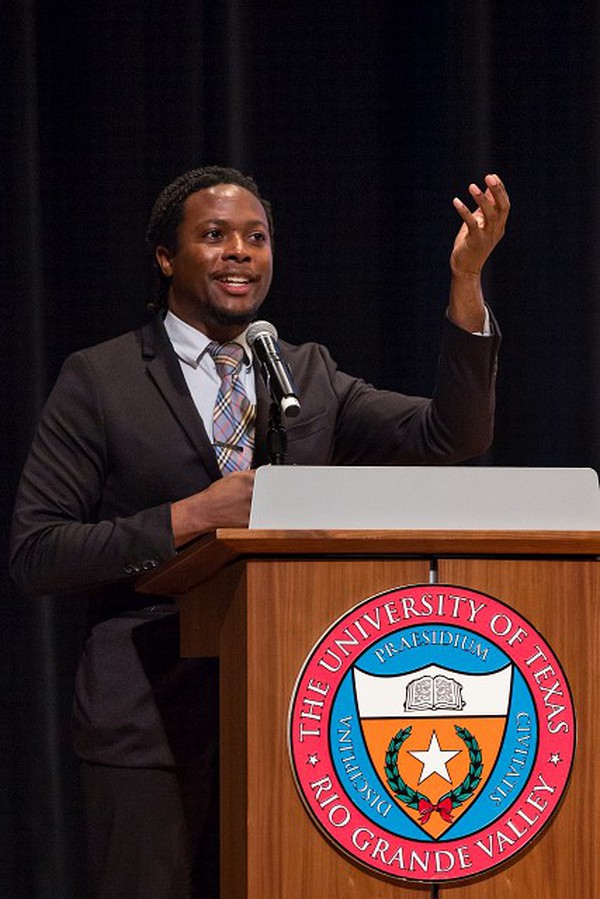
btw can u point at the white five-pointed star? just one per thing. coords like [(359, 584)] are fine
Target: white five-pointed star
[(555, 758), (313, 760), (434, 759)]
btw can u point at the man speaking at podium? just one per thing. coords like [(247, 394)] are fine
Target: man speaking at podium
[(151, 439)]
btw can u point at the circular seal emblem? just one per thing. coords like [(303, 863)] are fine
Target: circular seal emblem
[(431, 733)]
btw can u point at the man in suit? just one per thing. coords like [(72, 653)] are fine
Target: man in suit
[(125, 469)]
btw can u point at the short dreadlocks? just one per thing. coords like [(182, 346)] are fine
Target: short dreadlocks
[(167, 212)]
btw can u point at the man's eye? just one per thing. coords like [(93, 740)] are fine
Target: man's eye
[(259, 236), (213, 234)]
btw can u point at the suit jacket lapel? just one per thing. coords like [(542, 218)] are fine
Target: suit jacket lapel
[(164, 369)]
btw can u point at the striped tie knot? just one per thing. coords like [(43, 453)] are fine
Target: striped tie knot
[(233, 416)]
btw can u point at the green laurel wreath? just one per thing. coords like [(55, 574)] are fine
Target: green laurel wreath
[(399, 787), (411, 797)]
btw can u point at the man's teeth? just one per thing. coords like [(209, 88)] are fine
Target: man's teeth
[(232, 279)]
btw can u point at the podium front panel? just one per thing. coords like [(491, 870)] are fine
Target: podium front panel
[(263, 615)]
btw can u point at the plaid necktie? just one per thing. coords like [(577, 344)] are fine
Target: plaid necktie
[(233, 416)]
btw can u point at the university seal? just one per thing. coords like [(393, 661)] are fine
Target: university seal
[(431, 733)]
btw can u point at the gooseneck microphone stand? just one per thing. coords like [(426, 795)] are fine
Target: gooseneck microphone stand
[(276, 436)]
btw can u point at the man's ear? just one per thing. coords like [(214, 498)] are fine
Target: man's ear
[(163, 257)]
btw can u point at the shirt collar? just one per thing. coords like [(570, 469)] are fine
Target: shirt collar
[(191, 344)]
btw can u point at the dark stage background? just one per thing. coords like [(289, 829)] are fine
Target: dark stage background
[(360, 120)]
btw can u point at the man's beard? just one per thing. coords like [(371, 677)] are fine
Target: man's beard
[(228, 317)]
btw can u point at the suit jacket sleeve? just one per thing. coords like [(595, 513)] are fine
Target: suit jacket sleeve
[(62, 538), (345, 421)]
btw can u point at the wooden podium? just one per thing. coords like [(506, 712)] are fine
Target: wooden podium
[(261, 599)]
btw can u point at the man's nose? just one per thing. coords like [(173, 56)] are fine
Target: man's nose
[(236, 248)]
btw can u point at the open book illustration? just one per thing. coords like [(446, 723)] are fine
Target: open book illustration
[(439, 692)]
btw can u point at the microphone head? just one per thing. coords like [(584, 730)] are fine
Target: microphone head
[(260, 329)]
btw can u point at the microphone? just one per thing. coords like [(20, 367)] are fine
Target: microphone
[(262, 339)]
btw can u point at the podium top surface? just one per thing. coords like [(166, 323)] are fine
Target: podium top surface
[(426, 497), (200, 560)]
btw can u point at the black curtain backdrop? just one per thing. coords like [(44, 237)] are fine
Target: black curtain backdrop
[(360, 120)]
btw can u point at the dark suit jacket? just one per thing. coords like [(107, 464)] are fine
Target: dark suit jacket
[(120, 439)]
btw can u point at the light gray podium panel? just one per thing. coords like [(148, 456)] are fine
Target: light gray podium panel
[(422, 498)]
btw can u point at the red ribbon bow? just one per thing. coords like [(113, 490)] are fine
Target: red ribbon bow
[(443, 808)]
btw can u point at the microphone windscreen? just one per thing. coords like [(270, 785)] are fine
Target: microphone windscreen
[(258, 329)]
